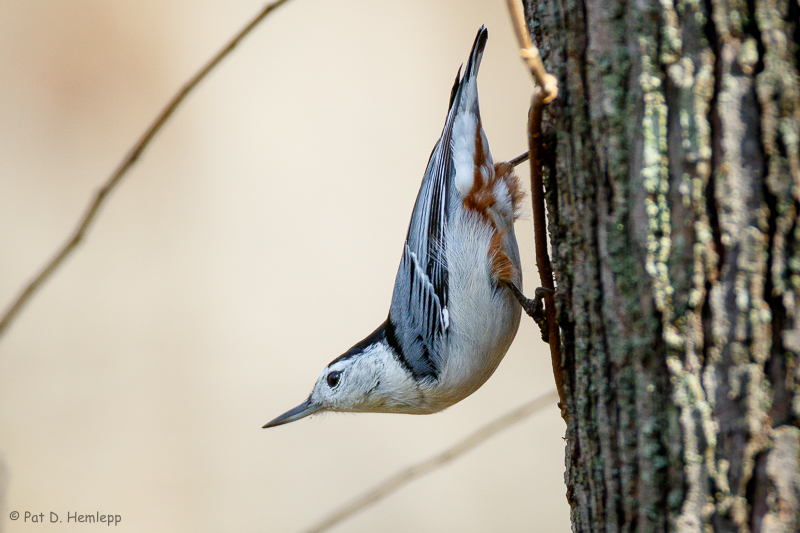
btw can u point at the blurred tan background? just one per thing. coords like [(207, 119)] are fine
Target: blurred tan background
[(255, 241)]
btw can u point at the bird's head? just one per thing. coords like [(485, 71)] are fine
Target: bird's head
[(367, 378)]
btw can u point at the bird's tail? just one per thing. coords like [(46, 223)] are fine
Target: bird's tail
[(476, 54), (465, 88)]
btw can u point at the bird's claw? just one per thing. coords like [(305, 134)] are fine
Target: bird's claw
[(534, 307)]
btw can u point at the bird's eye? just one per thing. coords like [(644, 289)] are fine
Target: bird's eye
[(333, 379)]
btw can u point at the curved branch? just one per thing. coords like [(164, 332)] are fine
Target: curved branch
[(91, 212), (404, 477), (540, 236), (545, 91)]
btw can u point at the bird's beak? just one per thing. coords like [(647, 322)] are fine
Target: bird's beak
[(304, 409)]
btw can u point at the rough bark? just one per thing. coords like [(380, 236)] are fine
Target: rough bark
[(673, 192)]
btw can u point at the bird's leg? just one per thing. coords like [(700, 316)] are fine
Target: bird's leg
[(520, 159), (533, 307)]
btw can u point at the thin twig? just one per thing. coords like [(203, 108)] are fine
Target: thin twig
[(404, 477), (530, 53), (519, 159), (77, 236), (545, 91), (540, 235)]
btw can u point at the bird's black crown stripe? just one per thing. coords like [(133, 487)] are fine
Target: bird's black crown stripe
[(386, 331), (358, 348)]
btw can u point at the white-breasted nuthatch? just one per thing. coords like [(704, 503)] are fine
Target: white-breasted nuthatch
[(453, 314)]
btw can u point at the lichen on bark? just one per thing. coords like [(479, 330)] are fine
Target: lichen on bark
[(673, 202)]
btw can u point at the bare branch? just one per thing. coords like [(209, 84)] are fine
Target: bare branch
[(545, 91), (540, 236), (519, 159), (530, 53), (404, 477), (91, 212)]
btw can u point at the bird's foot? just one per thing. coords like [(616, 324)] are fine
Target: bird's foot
[(534, 307)]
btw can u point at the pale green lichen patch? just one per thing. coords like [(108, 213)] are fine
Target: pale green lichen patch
[(655, 178), (783, 470), (671, 36), (693, 387), (743, 332)]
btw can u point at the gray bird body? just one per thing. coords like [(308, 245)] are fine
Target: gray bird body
[(452, 318)]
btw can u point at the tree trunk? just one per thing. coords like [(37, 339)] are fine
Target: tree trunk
[(673, 193)]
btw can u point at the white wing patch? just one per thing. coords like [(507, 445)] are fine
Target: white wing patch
[(463, 147), (423, 297)]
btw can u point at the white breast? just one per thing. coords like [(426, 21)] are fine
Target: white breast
[(483, 319)]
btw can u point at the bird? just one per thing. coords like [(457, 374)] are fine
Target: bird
[(455, 309)]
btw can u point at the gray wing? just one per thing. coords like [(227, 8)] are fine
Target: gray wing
[(419, 304), (418, 319)]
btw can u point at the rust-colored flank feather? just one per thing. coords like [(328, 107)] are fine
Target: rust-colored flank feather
[(502, 267), (481, 199), (505, 172)]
